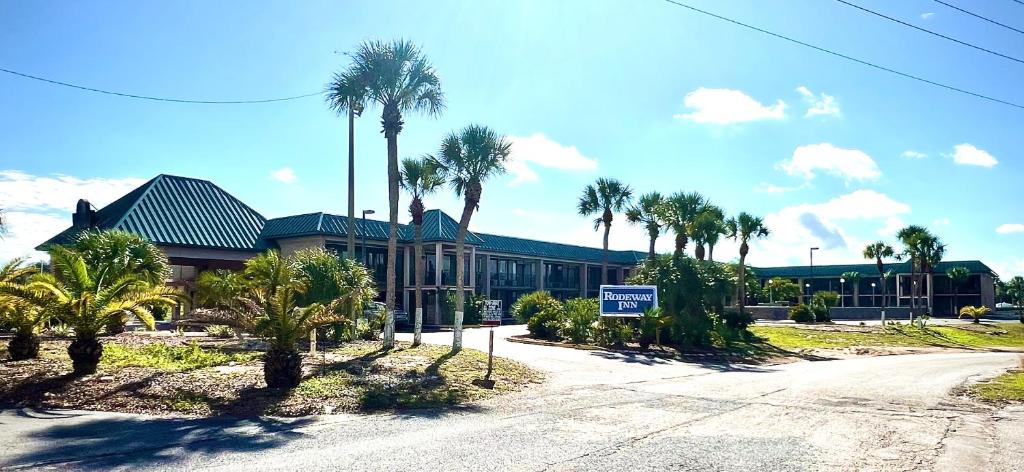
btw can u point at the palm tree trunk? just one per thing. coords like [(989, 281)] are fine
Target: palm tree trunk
[(460, 295), (604, 256), (352, 184), (680, 244), (650, 251), (389, 322), (711, 252), (417, 336), (741, 286)]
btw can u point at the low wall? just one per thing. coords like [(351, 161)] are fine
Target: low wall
[(837, 313)]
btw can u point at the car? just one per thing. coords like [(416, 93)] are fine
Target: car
[(1004, 306)]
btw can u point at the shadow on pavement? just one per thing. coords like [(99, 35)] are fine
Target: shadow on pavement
[(110, 442)]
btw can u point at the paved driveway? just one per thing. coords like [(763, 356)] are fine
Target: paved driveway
[(597, 412)]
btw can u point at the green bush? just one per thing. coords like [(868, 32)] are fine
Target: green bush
[(614, 332), (826, 299), (735, 320), (801, 314), (474, 313), (580, 316), (220, 331), (821, 313), (530, 304), (547, 321), (651, 322)]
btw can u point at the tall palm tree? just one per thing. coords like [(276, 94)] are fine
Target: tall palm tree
[(910, 237), (708, 226), (420, 178), (853, 278), (957, 278), (400, 79), (467, 159), (743, 228), (680, 213), (644, 212), (932, 252), (878, 251), (603, 198), (347, 94)]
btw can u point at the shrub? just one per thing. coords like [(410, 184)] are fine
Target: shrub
[(826, 299), (220, 331), (689, 292), (614, 332), (580, 316), (651, 322), (546, 322), (736, 320), (801, 314), (974, 312), (821, 313), (530, 304), (474, 310)]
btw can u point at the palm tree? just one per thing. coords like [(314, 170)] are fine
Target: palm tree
[(878, 251), (708, 226), (420, 178), (957, 278), (400, 79), (604, 197), (467, 159), (644, 212), (910, 237), (17, 312), (344, 94), (680, 213), (743, 228), (851, 277), (932, 251), (88, 299)]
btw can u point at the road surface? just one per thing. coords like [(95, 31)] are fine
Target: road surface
[(598, 411)]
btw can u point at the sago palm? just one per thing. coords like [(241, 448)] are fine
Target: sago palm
[(466, 160), (603, 198), (644, 213), (400, 79), (679, 213), (20, 309), (347, 94), (743, 228), (420, 178), (879, 251)]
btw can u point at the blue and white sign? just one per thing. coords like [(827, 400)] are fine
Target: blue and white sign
[(627, 300)]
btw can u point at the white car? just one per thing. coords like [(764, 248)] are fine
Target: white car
[(1004, 306)]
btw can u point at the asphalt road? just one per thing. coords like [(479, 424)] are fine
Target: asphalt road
[(598, 411)]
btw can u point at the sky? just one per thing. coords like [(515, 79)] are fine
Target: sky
[(831, 153)]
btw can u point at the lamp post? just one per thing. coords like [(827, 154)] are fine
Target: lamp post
[(808, 287), (873, 301), (842, 292), (365, 212), (812, 270), (771, 299)]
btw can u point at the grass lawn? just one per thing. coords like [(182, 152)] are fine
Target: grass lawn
[(974, 336), (172, 358), (1008, 387)]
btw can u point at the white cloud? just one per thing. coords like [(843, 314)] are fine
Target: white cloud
[(927, 16), (911, 154), (850, 164), (538, 150), (38, 207), (284, 175), (940, 222), (1010, 228), (765, 187), (725, 106), (967, 154), (892, 226), (821, 105)]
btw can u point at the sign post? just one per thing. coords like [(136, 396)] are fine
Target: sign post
[(627, 301), (490, 316)]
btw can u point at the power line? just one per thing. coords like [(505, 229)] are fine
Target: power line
[(979, 16), (904, 23), (157, 99), (844, 56)]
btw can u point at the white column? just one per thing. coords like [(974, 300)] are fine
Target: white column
[(540, 274), (472, 268), (487, 276), (438, 263), (583, 280)]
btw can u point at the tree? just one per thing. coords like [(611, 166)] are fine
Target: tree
[(910, 237), (347, 94), (89, 296), (644, 213), (420, 178), (852, 277), (603, 198), (679, 213), (18, 311), (400, 79), (958, 276), (878, 251), (466, 160), (783, 289), (931, 252), (708, 226), (743, 228)]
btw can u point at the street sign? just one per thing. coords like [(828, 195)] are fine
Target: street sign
[(627, 300), (491, 315)]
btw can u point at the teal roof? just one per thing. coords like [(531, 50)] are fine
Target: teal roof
[(835, 271), (544, 249), (437, 226), (179, 211)]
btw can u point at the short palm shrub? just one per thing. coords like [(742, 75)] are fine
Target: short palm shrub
[(974, 312), (651, 322), (530, 304), (580, 316), (17, 314), (547, 321), (614, 332), (801, 314), (220, 331)]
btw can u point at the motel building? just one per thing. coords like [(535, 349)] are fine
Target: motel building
[(202, 227)]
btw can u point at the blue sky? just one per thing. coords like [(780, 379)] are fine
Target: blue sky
[(646, 92)]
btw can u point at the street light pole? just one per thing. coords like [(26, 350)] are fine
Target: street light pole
[(842, 290), (874, 302), (812, 271)]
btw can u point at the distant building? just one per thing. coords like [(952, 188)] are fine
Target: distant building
[(202, 227), (937, 289)]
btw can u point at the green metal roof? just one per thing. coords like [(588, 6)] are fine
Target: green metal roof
[(437, 226), (835, 271), (544, 249), (179, 211)]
